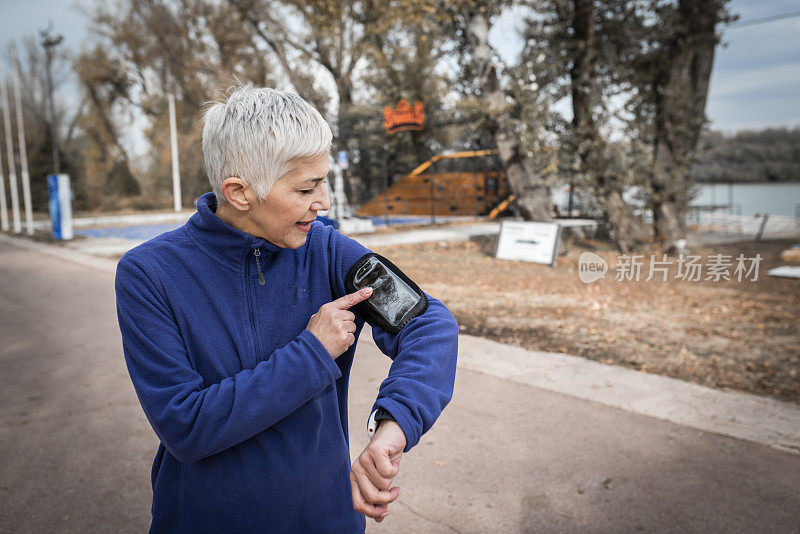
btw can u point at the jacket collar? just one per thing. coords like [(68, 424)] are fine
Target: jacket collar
[(227, 244)]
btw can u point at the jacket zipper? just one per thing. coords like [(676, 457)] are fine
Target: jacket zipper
[(250, 298), (257, 253)]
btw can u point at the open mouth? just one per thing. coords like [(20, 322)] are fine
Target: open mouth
[(304, 225)]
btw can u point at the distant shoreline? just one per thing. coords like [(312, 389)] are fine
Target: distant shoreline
[(741, 182)]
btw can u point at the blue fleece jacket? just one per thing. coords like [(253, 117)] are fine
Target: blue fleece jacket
[(250, 408)]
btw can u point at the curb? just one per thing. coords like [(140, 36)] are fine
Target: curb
[(735, 414), (66, 254)]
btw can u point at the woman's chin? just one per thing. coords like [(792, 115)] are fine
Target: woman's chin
[(296, 241)]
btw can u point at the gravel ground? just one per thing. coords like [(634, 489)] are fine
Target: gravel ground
[(726, 334)]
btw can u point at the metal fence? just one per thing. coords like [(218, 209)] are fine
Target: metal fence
[(725, 218), (729, 220)]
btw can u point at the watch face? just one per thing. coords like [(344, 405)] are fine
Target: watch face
[(392, 297)]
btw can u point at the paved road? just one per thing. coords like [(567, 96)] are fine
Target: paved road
[(75, 449)]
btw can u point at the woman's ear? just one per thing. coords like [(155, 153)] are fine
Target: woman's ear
[(237, 193)]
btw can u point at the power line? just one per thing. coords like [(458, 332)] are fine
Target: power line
[(764, 20)]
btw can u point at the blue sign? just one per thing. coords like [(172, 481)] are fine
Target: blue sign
[(341, 157), (55, 205), (60, 205)]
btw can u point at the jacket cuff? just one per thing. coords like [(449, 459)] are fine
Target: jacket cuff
[(403, 417), (317, 349)]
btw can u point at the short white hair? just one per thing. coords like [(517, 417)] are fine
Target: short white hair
[(256, 133)]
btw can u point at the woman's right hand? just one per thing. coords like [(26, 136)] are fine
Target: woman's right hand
[(334, 324)]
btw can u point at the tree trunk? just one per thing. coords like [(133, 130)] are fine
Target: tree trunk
[(627, 231), (681, 88), (533, 199)]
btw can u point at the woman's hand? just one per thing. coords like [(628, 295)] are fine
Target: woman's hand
[(334, 324), (374, 470)]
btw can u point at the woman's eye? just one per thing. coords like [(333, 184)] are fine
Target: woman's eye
[(310, 191)]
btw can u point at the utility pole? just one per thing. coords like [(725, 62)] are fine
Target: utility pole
[(49, 42), (23, 154), (176, 173), (3, 208), (12, 171)]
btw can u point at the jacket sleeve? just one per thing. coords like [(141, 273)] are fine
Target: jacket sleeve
[(192, 419), (422, 375), (423, 370)]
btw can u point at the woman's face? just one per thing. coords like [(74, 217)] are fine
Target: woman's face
[(284, 217)]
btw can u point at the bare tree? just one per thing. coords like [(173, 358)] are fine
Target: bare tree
[(329, 35), (105, 158), (627, 231), (147, 50), (576, 50), (374, 52), (674, 85), (532, 195)]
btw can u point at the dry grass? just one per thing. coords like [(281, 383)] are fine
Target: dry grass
[(725, 334)]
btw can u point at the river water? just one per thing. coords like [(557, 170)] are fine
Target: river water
[(775, 199)]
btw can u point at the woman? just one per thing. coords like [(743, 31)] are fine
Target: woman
[(239, 339)]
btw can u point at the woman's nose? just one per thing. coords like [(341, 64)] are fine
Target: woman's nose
[(323, 203)]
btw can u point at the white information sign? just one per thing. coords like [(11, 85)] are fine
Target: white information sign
[(528, 241), (789, 271)]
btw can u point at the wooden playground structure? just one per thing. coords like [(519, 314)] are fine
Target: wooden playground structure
[(428, 190)]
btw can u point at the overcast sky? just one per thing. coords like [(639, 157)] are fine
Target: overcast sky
[(755, 82)]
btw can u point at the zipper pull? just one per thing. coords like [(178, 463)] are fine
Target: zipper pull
[(257, 253)]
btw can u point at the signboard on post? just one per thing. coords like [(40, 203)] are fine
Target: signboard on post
[(341, 158), (404, 117), (528, 241), (60, 205)]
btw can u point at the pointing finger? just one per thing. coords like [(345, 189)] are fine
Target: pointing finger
[(352, 299)]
